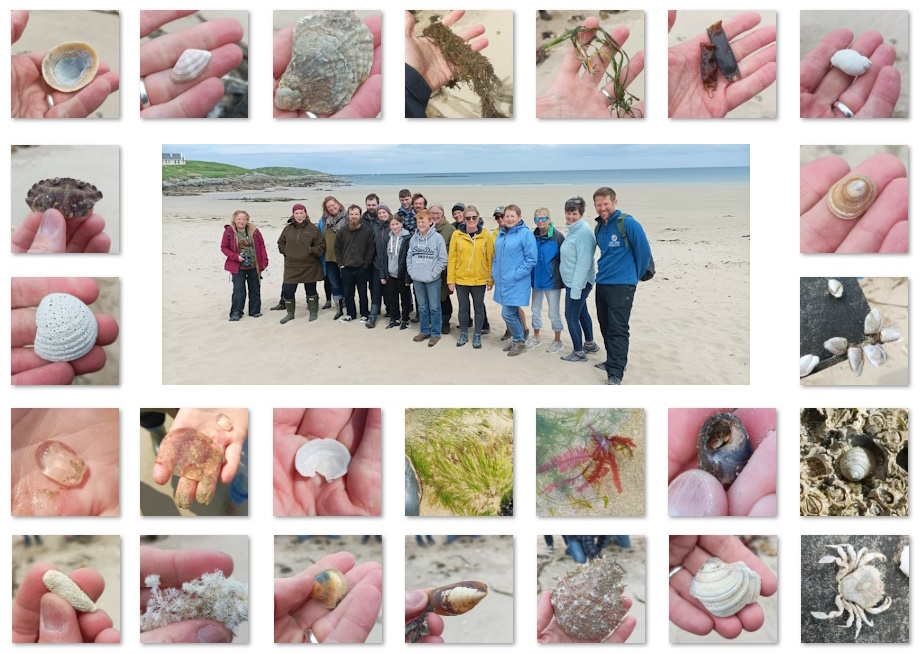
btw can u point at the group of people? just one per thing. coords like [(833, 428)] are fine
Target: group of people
[(379, 256)]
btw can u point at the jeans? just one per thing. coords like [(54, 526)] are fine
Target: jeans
[(335, 279), (510, 316), (428, 294), (246, 279), (398, 299), (578, 316), (375, 289), (476, 295), (288, 290), (575, 547), (613, 309), (554, 308), (353, 279)]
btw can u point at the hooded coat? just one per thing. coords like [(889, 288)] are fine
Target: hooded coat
[(470, 259), (303, 247), (515, 255), (427, 256), (231, 251), (578, 251), (547, 274)]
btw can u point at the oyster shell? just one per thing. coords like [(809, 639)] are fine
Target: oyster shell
[(70, 66), (724, 589), (835, 288), (850, 62), (808, 363), (836, 345), (65, 328), (851, 197), (72, 197), (857, 463), (330, 588), (332, 55), (587, 603), (326, 456), (190, 65)]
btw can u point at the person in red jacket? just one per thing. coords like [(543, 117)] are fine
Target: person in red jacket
[(243, 246)]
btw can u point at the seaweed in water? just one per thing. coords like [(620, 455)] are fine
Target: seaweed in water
[(585, 466)]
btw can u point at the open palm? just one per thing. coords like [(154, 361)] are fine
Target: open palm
[(550, 631)]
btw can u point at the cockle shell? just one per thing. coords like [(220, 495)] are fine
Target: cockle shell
[(888, 334), (850, 62), (332, 55), (851, 197), (723, 447), (587, 603), (856, 463), (70, 66), (457, 598), (724, 589), (58, 461), (190, 65), (875, 354), (808, 363), (65, 328), (330, 587), (835, 288), (72, 197), (836, 345), (63, 586), (856, 360), (322, 455), (873, 322)]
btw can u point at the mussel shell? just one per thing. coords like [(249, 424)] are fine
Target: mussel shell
[(856, 360), (330, 587), (724, 447), (457, 598), (856, 463), (875, 353), (836, 345), (70, 66), (851, 197), (724, 589), (190, 65)]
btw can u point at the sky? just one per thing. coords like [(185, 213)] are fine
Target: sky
[(350, 159)]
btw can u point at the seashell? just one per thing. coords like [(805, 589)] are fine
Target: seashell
[(587, 603), (190, 65), (857, 463), (72, 197), (65, 328), (224, 422), (856, 361), (850, 62), (888, 334), (332, 55), (330, 587), (724, 447), (875, 354), (836, 345), (725, 589), (808, 363), (60, 463), (835, 288), (457, 598), (63, 586), (873, 322), (70, 66), (326, 456), (905, 560), (851, 197), (412, 494)]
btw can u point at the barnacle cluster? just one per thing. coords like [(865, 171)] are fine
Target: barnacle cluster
[(854, 462)]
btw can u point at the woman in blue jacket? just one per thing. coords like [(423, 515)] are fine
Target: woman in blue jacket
[(578, 271), (546, 280), (515, 255)]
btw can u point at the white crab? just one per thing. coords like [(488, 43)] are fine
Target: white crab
[(859, 586)]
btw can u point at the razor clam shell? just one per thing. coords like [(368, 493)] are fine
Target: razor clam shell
[(850, 62), (889, 334), (836, 345), (873, 322), (851, 196), (70, 66), (808, 363), (63, 586), (875, 354), (835, 288), (66, 329), (322, 455), (724, 589), (856, 464), (190, 65), (856, 360)]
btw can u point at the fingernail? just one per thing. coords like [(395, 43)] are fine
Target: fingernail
[(690, 495), (51, 617), (414, 597), (212, 634), (48, 225)]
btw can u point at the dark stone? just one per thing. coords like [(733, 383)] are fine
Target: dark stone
[(824, 316)]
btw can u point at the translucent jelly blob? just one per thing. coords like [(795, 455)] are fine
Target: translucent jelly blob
[(60, 463)]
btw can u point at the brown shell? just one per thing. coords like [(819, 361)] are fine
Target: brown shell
[(851, 197), (330, 587), (457, 598), (72, 197), (587, 603), (70, 66)]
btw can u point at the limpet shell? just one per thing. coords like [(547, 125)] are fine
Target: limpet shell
[(330, 587), (856, 464), (850, 62), (724, 589), (851, 197), (808, 363), (70, 66), (65, 328), (63, 586), (326, 456), (587, 603), (836, 345), (72, 197), (835, 288), (190, 65)]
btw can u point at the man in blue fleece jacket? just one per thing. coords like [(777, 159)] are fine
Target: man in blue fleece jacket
[(621, 265)]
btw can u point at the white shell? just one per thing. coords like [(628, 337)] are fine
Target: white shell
[(190, 65), (856, 463), (63, 586), (725, 589), (875, 354), (905, 560), (856, 361), (888, 334), (322, 455), (65, 328), (850, 62), (808, 363), (835, 288), (873, 322), (836, 345)]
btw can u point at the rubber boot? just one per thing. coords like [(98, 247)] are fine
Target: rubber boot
[(373, 318), (313, 308), (290, 308), (340, 305), (280, 306)]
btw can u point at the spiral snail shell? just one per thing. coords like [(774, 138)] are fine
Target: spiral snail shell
[(724, 447), (457, 598), (724, 589), (330, 587), (851, 197), (856, 463), (850, 62)]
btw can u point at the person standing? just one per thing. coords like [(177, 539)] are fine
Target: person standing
[(446, 229), (515, 255), (458, 215), (546, 279), (370, 216), (426, 259), (302, 245), (578, 272), (355, 252), (471, 253), (246, 259), (394, 265), (333, 219), (380, 231), (405, 211)]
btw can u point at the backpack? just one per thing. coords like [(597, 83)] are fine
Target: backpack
[(620, 227)]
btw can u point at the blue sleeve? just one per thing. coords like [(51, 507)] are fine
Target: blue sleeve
[(640, 248), (416, 93)]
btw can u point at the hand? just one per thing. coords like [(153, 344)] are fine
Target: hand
[(688, 97), (688, 613), (426, 58), (29, 89), (51, 232), (239, 258), (366, 101), (384, 281), (549, 631), (232, 442), (883, 228), (176, 567), (26, 367), (872, 95), (490, 287), (415, 602), (694, 492), (297, 615), (451, 288), (574, 96), (356, 493), (40, 616)]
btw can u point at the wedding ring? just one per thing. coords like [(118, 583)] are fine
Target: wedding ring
[(145, 101), (49, 100), (608, 97), (310, 115), (843, 109)]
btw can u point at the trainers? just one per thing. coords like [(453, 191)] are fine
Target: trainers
[(556, 346), (404, 324), (462, 339), (256, 315), (419, 338), (601, 365), (533, 342), (508, 347), (433, 341), (613, 381), (346, 319), (234, 318), (518, 348), (476, 342), (393, 323), (506, 335), (364, 319), (589, 347), (576, 355)]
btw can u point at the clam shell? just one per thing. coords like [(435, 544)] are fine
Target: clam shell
[(724, 589), (70, 66), (587, 603), (457, 598), (330, 587), (72, 197), (851, 197), (850, 62), (888, 334), (63, 586), (873, 322), (835, 288), (808, 363), (65, 328), (322, 455), (856, 361), (190, 65), (875, 354), (856, 463), (836, 345)]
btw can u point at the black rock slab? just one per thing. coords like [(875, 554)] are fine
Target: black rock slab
[(824, 316)]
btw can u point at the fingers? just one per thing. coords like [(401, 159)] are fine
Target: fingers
[(189, 631), (835, 82), (43, 374), (18, 21), (898, 239), (696, 493), (366, 103), (737, 25), (194, 103), (352, 620), (752, 84), (231, 463), (691, 611), (869, 232), (364, 476), (185, 491), (684, 614), (282, 48), (859, 91), (48, 235), (452, 17), (816, 63), (163, 52), (414, 603), (160, 85), (545, 611), (816, 179), (683, 427), (96, 627), (98, 244), (31, 369), (205, 490), (884, 95), (291, 593), (57, 621), (374, 25), (178, 566), (747, 45), (756, 480), (671, 19), (86, 101), (151, 20)]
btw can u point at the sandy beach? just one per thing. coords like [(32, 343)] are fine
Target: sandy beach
[(699, 234), (108, 302)]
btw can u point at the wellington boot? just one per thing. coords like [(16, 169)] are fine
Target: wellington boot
[(290, 308), (280, 306), (373, 318), (313, 308)]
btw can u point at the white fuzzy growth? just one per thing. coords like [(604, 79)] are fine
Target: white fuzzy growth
[(210, 596), (63, 586)]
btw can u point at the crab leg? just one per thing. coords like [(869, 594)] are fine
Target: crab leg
[(833, 614), (881, 607)]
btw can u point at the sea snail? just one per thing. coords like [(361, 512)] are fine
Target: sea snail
[(330, 587), (724, 447)]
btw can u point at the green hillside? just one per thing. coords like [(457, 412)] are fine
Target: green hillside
[(212, 170)]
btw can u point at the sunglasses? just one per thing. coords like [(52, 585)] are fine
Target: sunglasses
[(472, 219), (542, 219)]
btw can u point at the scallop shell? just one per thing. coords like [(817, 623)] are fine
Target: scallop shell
[(724, 589), (322, 455), (587, 603), (851, 197), (332, 55), (836, 345), (808, 363), (875, 354), (65, 328), (70, 66), (873, 322), (330, 587), (72, 197), (63, 586), (457, 598), (835, 288), (888, 334), (856, 361), (856, 463), (190, 65), (850, 62)]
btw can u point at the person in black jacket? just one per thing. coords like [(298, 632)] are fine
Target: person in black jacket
[(355, 252), (393, 264)]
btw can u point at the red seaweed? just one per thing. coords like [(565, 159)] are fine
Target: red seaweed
[(709, 68), (596, 459)]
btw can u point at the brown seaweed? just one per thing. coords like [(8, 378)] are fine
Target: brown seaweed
[(727, 62), (709, 69)]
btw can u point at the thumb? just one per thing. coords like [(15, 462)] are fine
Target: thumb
[(51, 235), (545, 612), (408, 24), (189, 631), (414, 603), (57, 621), (696, 493), (671, 19)]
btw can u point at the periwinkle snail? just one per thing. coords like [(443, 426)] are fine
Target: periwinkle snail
[(724, 447)]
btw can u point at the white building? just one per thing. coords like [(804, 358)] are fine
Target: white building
[(173, 159)]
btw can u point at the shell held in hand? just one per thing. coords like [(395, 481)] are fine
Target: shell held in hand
[(70, 66), (724, 589), (457, 598), (856, 464), (723, 447), (587, 603), (330, 588), (72, 197), (65, 328), (63, 586), (852, 196), (850, 62), (326, 456), (190, 65)]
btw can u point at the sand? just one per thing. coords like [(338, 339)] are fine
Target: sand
[(700, 239), (108, 302)]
